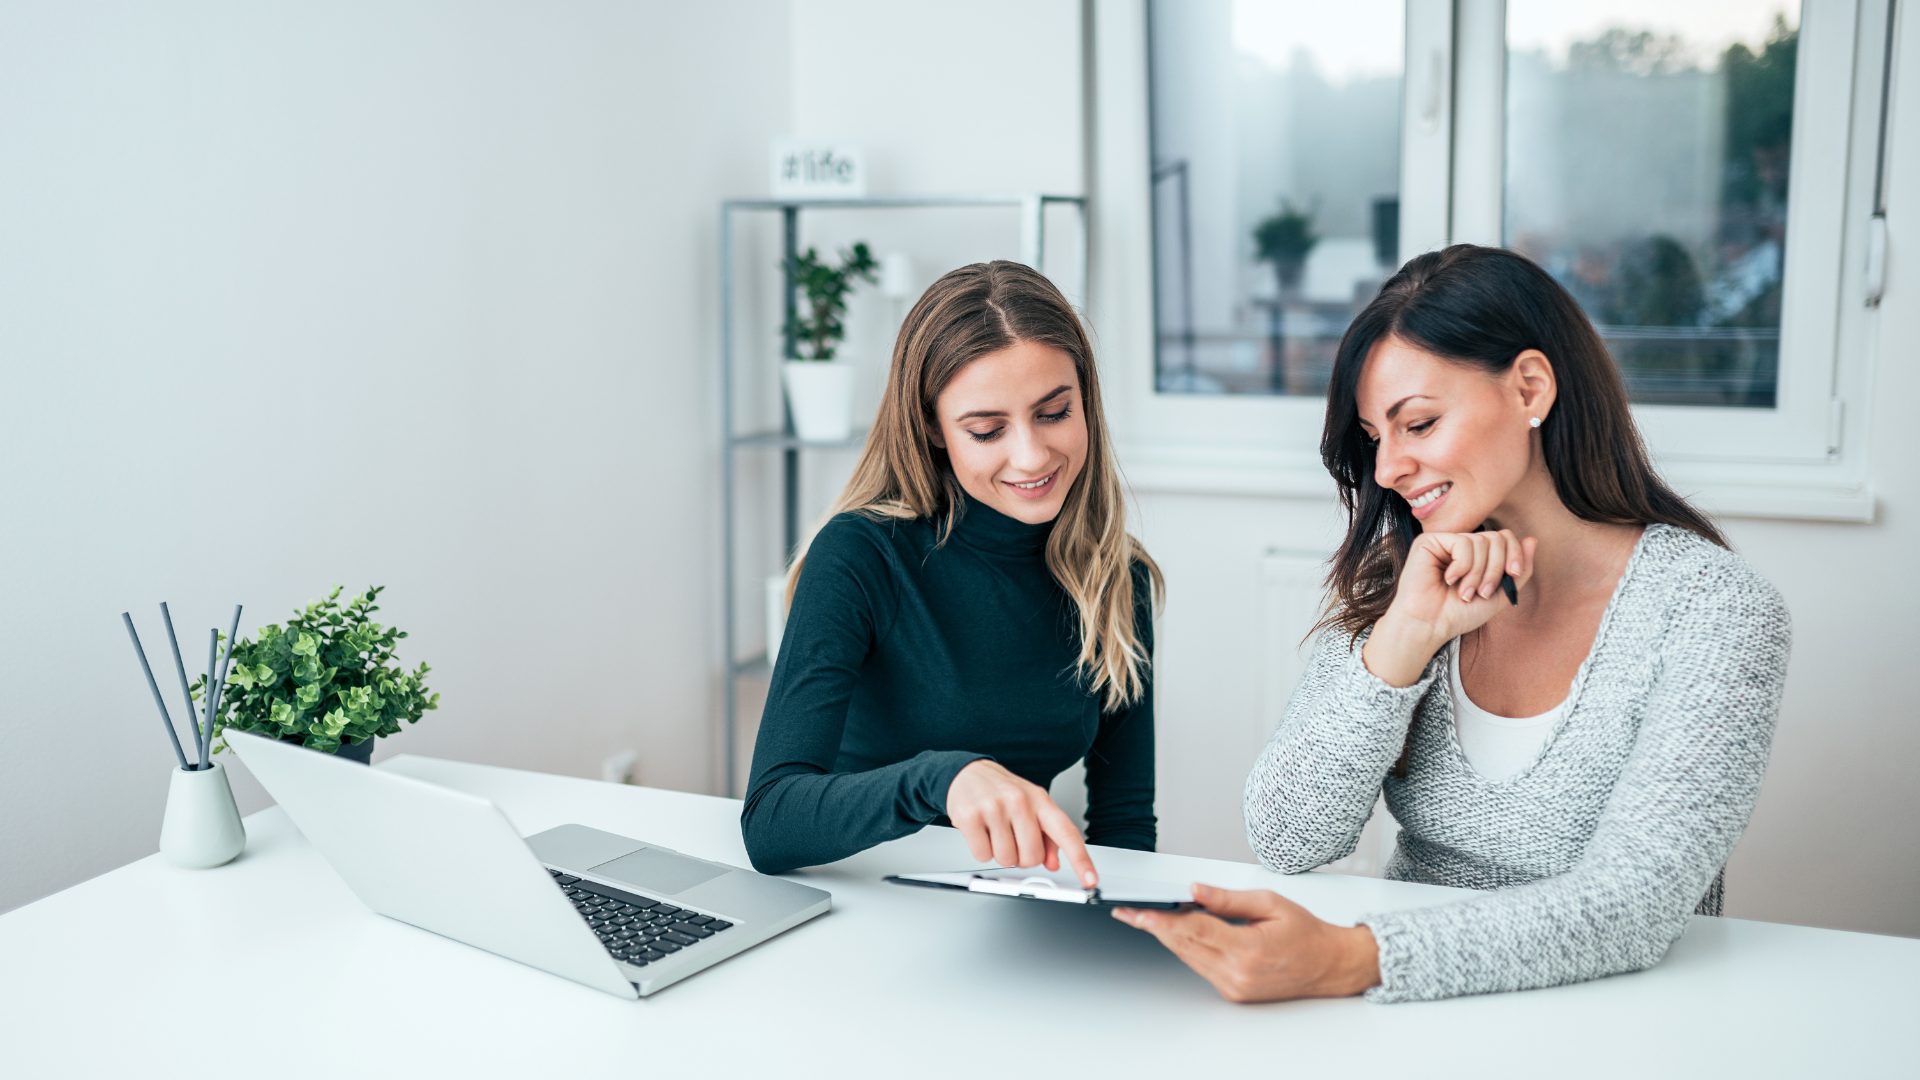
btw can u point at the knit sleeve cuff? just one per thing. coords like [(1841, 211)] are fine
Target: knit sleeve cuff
[(1365, 694), (1397, 944)]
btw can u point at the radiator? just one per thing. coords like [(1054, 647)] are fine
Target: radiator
[(1291, 584)]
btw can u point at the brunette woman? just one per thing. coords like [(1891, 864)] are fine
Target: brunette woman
[(1587, 753)]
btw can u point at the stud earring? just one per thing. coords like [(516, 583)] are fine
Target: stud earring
[(1533, 421)]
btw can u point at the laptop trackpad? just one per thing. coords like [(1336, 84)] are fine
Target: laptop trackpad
[(655, 871)]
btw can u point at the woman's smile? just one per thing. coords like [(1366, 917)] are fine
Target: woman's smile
[(1428, 501), (1033, 489)]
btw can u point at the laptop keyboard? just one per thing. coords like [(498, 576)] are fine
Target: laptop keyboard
[(636, 929)]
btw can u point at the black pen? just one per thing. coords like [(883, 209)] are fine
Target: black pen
[(1513, 591)]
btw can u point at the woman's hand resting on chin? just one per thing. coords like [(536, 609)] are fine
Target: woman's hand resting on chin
[(1449, 586)]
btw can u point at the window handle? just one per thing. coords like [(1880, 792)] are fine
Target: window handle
[(1436, 90), (1876, 258)]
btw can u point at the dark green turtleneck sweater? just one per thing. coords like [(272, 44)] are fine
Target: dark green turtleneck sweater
[(904, 661)]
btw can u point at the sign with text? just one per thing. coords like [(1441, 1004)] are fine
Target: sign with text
[(818, 169)]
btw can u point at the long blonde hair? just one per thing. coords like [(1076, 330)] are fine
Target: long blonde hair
[(968, 313)]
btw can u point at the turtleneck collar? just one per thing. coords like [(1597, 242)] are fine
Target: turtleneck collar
[(981, 526)]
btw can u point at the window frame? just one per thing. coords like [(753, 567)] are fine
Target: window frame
[(1804, 459)]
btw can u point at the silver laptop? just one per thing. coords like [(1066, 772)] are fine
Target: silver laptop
[(604, 910)]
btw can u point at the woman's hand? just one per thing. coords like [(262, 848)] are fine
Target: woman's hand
[(1278, 953), (1008, 821), (1449, 586)]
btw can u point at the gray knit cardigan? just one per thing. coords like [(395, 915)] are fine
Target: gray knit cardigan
[(1596, 853)]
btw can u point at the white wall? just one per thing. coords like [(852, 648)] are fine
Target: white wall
[(1832, 842), (947, 99), (415, 294)]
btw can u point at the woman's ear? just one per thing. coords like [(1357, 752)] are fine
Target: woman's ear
[(1533, 375), (933, 436)]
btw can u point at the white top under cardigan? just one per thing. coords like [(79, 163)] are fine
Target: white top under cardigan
[(1498, 747), (1595, 856)]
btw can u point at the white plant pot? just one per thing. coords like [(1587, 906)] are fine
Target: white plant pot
[(820, 395), (202, 828)]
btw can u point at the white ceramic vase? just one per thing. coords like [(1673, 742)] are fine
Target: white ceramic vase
[(202, 827), (820, 396)]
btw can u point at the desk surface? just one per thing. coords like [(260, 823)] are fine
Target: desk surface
[(288, 971)]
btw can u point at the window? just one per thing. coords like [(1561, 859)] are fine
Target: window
[(1699, 176), (1647, 157), (1276, 185)]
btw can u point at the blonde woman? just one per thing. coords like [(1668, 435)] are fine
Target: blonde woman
[(973, 619)]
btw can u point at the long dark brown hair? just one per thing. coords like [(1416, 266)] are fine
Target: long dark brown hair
[(1483, 307), (968, 313)]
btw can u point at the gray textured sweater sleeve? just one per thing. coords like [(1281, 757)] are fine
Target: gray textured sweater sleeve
[(1315, 784), (1678, 806)]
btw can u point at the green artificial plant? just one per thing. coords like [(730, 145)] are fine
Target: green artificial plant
[(1284, 239), (818, 328), (327, 679)]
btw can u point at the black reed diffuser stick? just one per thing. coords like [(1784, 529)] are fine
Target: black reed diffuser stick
[(219, 692), (165, 719), (213, 648), (180, 667)]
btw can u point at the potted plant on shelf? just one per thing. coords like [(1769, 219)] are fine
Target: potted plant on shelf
[(327, 680), (1285, 239), (819, 388)]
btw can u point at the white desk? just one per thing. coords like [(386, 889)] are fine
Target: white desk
[(294, 978)]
